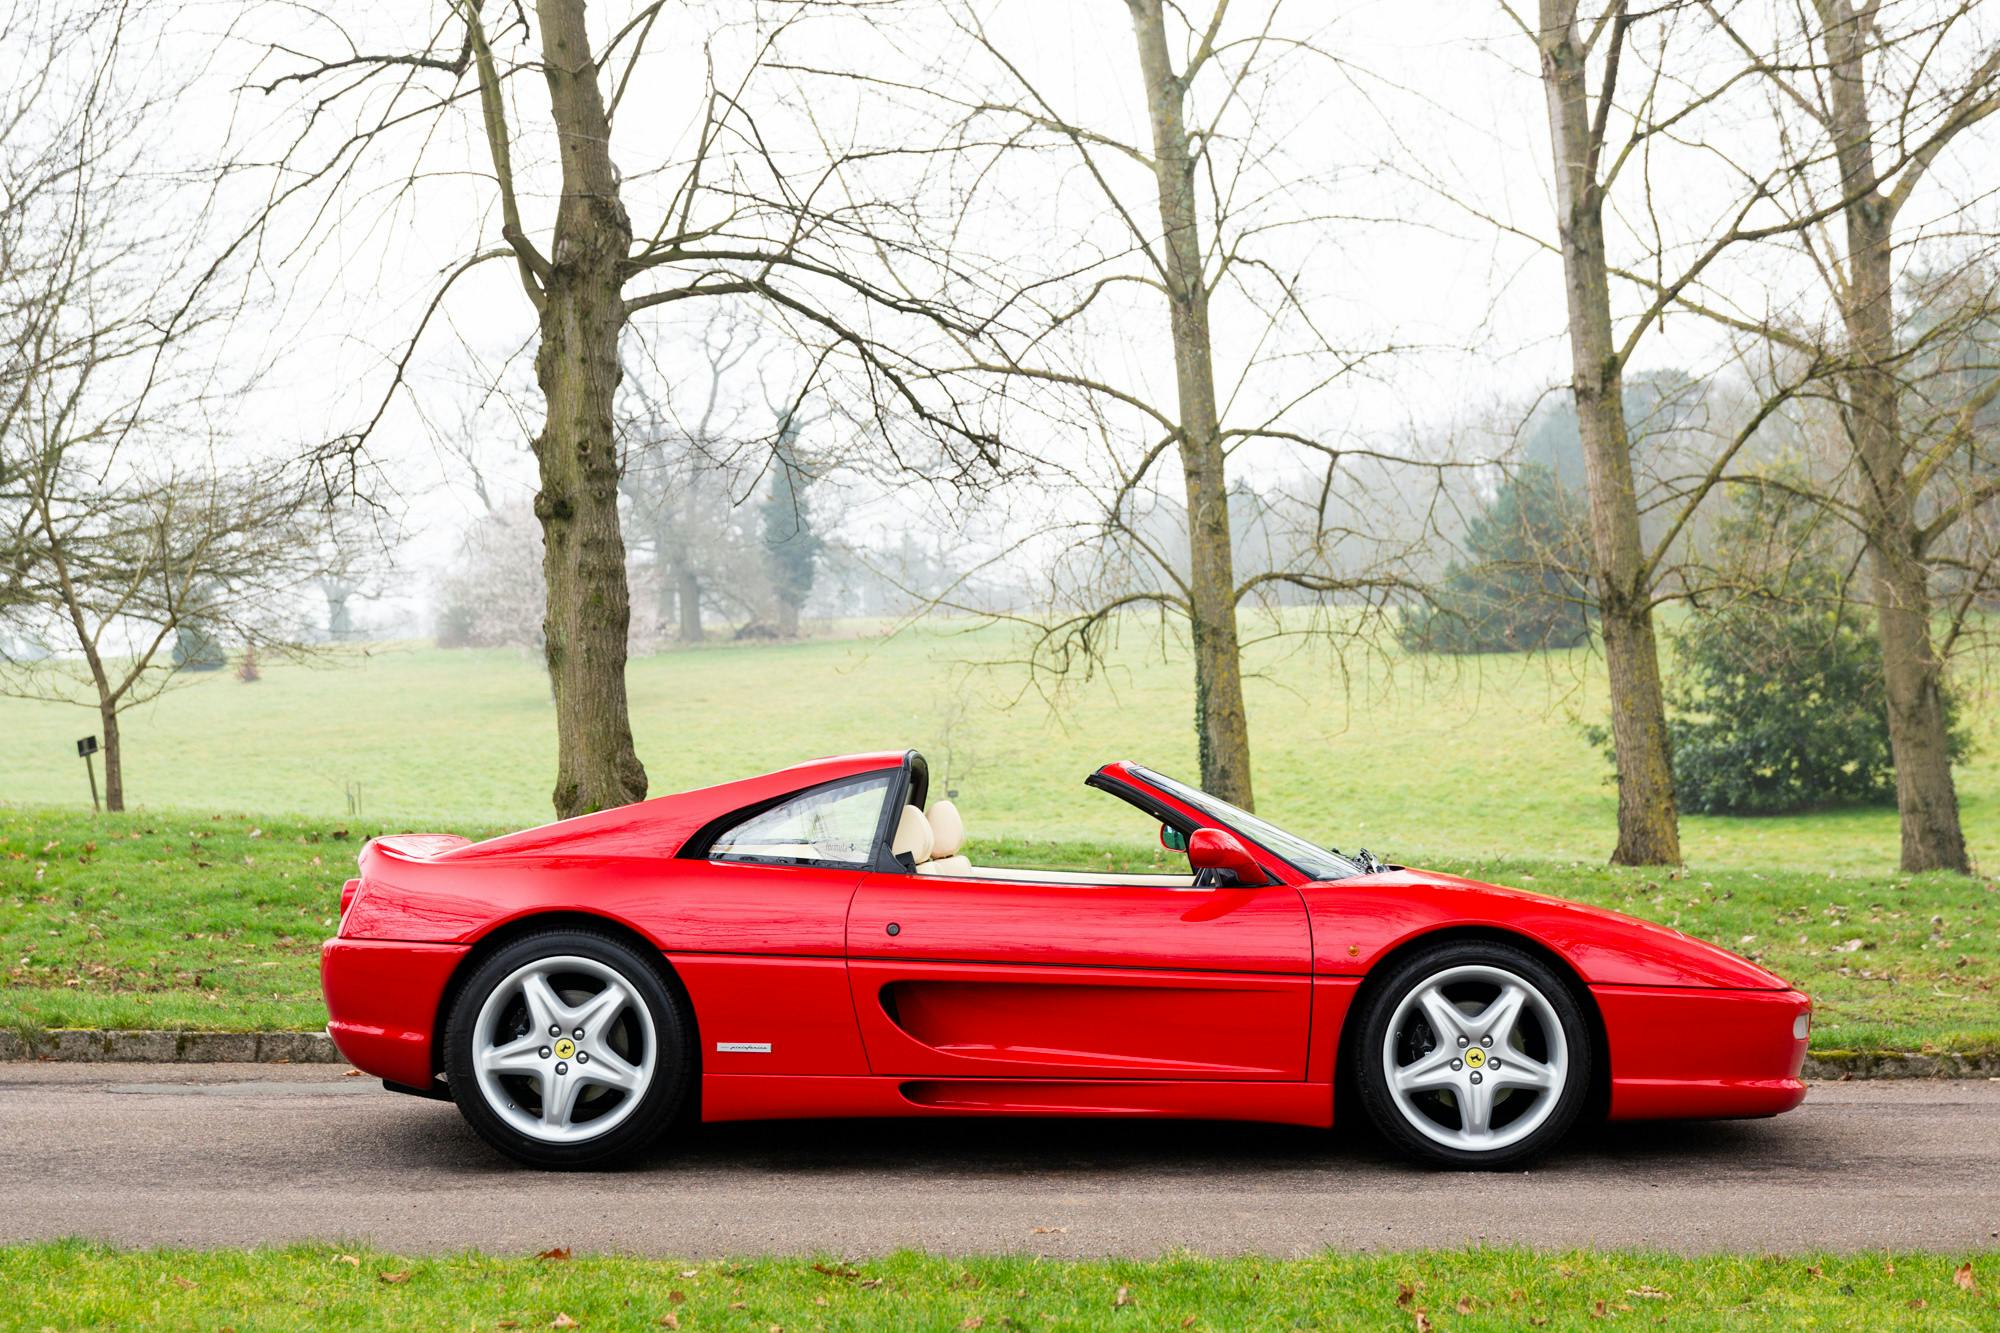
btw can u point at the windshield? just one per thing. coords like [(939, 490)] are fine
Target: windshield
[(1309, 858)]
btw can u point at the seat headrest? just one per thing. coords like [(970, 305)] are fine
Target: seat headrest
[(913, 835), (947, 830)]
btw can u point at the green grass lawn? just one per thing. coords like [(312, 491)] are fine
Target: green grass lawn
[(75, 1285), (1420, 760), (192, 920)]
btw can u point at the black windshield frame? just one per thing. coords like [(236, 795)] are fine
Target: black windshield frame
[(1307, 857)]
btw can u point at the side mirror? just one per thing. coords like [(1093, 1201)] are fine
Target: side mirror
[(1220, 859), (1172, 838)]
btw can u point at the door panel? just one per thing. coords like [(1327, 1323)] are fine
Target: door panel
[(985, 977), (993, 921)]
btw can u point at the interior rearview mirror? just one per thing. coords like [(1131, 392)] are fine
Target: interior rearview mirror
[(1219, 857), (1172, 838)]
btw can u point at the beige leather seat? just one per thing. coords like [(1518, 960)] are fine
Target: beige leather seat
[(947, 838), (913, 836)]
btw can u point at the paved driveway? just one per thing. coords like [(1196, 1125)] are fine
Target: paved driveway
[(246, 1154)]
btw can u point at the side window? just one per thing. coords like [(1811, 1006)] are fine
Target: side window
[(829, 826)]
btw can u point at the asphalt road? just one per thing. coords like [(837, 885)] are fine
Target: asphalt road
[(240, 1154)]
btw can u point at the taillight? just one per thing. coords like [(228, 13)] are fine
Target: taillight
[(347, 892)]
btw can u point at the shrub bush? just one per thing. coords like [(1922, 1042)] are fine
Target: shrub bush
[(1778, 702)]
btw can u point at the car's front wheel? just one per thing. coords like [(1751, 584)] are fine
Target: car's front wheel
[(1473, 1054), (567, 1049)]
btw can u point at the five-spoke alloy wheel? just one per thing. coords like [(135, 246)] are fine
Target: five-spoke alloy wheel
[(1472, 1054), (567, 1049)]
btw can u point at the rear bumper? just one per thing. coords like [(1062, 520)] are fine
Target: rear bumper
[(1689, 1053), (382, 1001)]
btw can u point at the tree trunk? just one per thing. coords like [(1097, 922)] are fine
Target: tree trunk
[(589, 607), (1222, 728), (688, 583), (1912, 676), (114, 758), (1919, 731), (788, 618), (1648, 819)]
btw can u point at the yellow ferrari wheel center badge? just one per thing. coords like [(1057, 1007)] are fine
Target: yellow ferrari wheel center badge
[(565, 1049), (1474, 1058)]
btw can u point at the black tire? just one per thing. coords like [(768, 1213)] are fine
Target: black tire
[(1458, 966), (636, 1127)]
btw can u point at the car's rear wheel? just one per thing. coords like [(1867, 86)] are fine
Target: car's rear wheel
[(567, 1049), (1473, 1054)]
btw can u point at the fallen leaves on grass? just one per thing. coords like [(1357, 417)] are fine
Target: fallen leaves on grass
[(1963, 1277), (353, 1261), (1123, 1298), (563, 1321), (1648, 1293), (393, 1279), (670, 1320), (559, 1254)]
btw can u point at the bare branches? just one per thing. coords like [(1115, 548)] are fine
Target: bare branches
[(533, 268)]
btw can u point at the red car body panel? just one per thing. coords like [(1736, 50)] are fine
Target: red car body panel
[(1686, 1053), (994, 997), (1357, 921), (383, 997)]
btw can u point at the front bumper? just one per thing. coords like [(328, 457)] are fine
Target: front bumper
[(1692, 1053), (382, 1000)]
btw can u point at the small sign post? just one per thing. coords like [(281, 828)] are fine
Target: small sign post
[(84, 749)]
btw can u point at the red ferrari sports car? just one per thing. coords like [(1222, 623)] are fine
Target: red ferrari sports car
[(814, 942)]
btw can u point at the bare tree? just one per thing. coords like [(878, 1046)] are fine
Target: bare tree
[(1207, 226), (687, 467), (730, 220), (490, 594), (1625, 91), (1870, 102), (118, 574), (124, 528)]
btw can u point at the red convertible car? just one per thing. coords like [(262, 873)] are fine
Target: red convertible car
[(815, 942)]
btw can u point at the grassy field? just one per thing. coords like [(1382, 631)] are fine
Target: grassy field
[(78, 1285), (195, 920), (203, 906), (1482, 758)]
